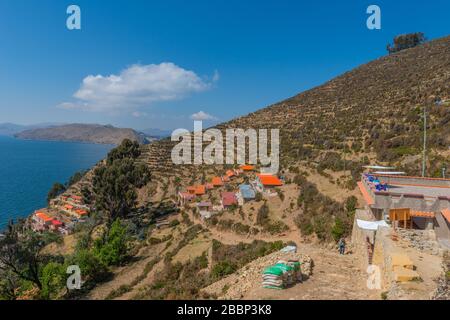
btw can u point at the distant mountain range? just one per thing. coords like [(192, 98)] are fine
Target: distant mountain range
[(94, 133), (10, 129), (157, 133)]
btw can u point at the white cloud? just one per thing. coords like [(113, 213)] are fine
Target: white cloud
[(202, 116), (136, 86)]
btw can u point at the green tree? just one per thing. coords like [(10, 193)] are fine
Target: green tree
[(405, 41), (53, 279), (9, 283), (21, 255), (55, 191), (115, 186), (127, 149)]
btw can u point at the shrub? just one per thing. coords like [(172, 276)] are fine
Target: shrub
[(112, 248), (338, 229), (222, 269), (92, 268), (174, 223), (262, 215), (53, 280)]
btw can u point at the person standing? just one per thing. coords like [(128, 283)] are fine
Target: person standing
[(341, 246)]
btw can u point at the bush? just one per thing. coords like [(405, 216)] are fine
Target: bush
[(112, 248), (174, 223), (222, 269), (406, 41), (276, 227), (92, 268), (263, 215), (338, 229)]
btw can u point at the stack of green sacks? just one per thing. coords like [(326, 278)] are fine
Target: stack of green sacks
[(281, 275)]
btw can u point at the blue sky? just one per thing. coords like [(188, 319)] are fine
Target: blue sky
[(225, 58)]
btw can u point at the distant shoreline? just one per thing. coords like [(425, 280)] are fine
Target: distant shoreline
[(63, 140)]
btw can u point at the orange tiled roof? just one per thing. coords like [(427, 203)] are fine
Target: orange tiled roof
[(81, 212), (247, 167), (68, 206), (269, 180), (423, 214), (446, 214), (225, 179), (230, 173), (199, 190), (217, 181), (43, 216), (365, 194)]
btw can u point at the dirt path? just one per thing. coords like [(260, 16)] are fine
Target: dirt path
[(335, 277)]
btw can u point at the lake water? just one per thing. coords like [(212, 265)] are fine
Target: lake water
[(28, 169)]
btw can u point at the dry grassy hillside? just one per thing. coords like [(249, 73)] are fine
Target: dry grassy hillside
[(375, 107), (374, 110), (370, 114)]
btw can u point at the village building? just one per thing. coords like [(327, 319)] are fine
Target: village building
[(56, 225), (204, 205), (185, 197), (247, 192), (81, 213), (197, 190), (247, 167), (228, 199), (230, 173), (205, 209), (41, 221), (217, 181), (409, 202), (75, 199), (266, 182)]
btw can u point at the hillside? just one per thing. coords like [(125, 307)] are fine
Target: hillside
[(374, 110), (371, 114), (83, 133)]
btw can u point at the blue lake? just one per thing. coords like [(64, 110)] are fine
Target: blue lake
[(28, 169)]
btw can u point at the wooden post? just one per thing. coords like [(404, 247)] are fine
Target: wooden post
[(404, 219)]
